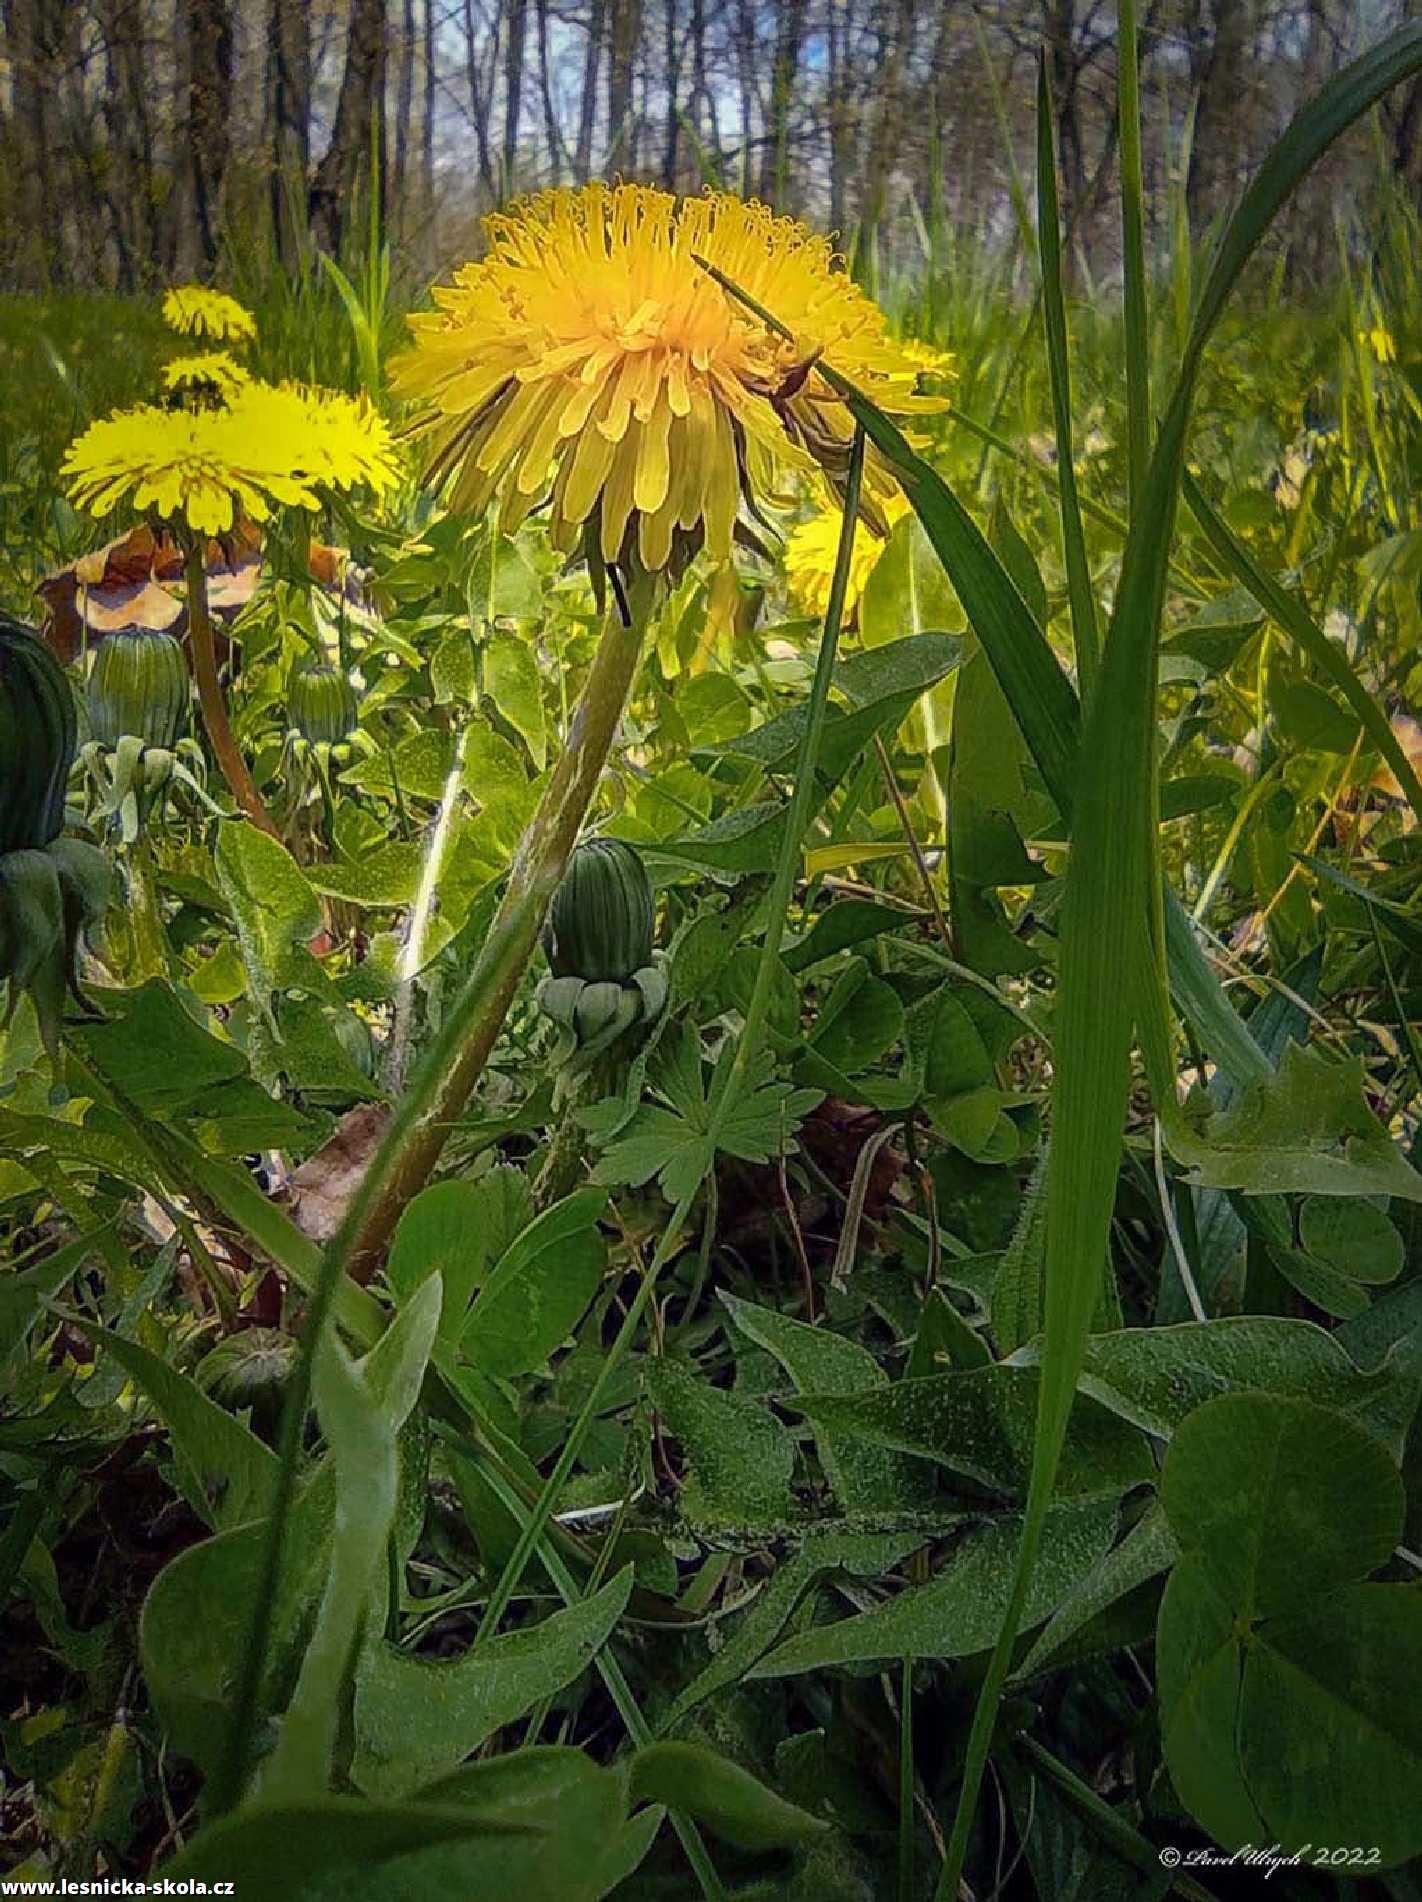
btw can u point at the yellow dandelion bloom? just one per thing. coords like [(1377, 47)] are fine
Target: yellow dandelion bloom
[(927, 358), (273, 446), (336, 441), (588, 359), (199, 312), (213, 374), (1380, 341), (811, 551)]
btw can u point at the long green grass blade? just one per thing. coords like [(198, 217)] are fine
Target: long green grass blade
[(1041, 696), (1086, 636), (1133, 268), (1038, 690), (1296, 621), (1346, 97)]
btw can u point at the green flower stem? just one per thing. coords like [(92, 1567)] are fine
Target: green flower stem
[(420, 1123), (564, 1158), (742, 1066), (226, 751), (535, 875)]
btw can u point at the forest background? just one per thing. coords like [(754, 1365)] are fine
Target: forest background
[(148, 139)]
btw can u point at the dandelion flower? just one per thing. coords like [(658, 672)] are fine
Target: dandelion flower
[(198, 312), (214, 375), (1380, 341), (589, 359), (337, 441), (927, 358), (271, 446), (813, 548)]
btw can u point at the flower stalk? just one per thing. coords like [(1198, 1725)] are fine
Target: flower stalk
[(534, 877), (211, 699), (748, 1047)]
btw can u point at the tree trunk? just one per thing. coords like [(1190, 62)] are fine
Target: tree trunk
[(708, 157), (129, 129), (884, 138), (1059, 39), (427, 126), (404, 111), (587, 105), (479, 98), (626, 25), (775, 159), (552, 132), (1222, 109), (359, 126), (289, 41), (746, 60), (843, 121), (209, 51), (671, 140), (513, 89)]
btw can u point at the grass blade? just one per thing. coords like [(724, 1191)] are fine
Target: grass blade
[(1293, 617), (1086, 636), (1128, 112), (1346, 97), (1040, 694)]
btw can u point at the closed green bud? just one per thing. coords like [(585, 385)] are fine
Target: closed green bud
[(248, 1373), (139, 689), (602, 917), (322, 703)]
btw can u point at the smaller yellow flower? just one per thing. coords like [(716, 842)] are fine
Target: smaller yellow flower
[(198, 312), (273, 446), (338, 441), (813, 546), (927, 358), (1380, 341), (213, 374)]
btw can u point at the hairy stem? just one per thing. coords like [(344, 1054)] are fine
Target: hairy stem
[(537, 869), (226, 751)]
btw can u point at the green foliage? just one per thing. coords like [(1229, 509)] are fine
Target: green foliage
[(948, 1219), (1274, 1659)]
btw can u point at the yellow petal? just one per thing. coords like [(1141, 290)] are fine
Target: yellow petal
[(653, 466), (617, 494), (591, 461), (722, 488)]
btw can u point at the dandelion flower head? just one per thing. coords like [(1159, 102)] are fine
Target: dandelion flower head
[(1381, 342), (927, 358), (197, 311), (215, 374), (272, 446), (589, 359), (812, 549)]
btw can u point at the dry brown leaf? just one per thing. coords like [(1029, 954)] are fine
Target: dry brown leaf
[(1408, 734), (123, 585), (322, 1188)]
